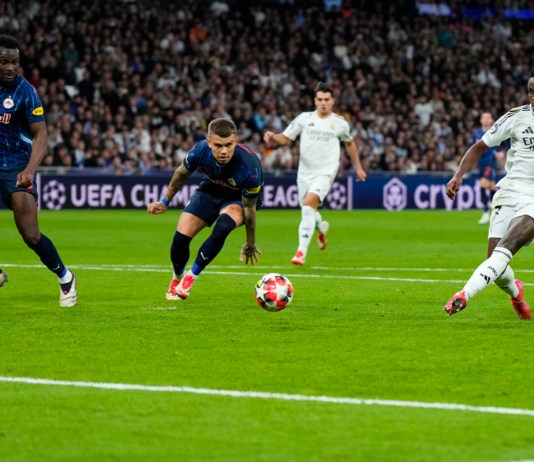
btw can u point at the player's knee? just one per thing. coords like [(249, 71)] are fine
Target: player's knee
[(224, 225), (521, 234), (180, 240), (312, 200), (30, 237)]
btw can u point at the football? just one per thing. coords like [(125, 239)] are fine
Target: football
[(273, 292), (3, 278)]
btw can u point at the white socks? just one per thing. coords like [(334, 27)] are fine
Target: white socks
[(488, 272), (66, 278), (306, 227), (506, 282), (319, 222)]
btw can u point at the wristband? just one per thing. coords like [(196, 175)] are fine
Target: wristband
[(165, 202)]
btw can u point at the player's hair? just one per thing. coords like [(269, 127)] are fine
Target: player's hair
[(323, 87), (222, 127), (9, 42)]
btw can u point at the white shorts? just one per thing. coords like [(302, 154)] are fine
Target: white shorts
[(318, 185), (506, 206)]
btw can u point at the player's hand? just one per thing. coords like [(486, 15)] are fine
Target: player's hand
[(24, 179), (267, 136), (453, 187), (250, 253), (360, 174), (156, 208)]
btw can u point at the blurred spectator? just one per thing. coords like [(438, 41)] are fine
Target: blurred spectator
[(133, 89)]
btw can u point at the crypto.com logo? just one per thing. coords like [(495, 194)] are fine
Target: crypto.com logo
[(395, 195)]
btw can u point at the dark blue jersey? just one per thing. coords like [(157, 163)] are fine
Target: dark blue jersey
[(243, 175), (20, 106)]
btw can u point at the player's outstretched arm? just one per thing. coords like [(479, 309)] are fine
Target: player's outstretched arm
[(181, 174), (470, 158), (275, 139), (249, 251), (352, 149)]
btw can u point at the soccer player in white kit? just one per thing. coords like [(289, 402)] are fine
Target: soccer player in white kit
[(512, 220), (321, 132)]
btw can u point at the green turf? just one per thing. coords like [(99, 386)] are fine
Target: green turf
[(366, 322)]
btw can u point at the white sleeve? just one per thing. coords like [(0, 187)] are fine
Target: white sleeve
[(501, 130), (345, 135), (295, 127)]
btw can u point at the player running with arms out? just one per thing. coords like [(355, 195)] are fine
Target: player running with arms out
[(23, 145), (512, 221), (487, 168), (321, 132), (228, 196)]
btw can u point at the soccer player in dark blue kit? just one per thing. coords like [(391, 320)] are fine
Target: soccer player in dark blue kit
[(23, 145), (227, 197), (487, 168)]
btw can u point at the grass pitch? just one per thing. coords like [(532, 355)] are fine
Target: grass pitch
[(129, 376)]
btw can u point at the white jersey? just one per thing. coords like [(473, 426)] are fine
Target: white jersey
[(518, 126), (319, 142)]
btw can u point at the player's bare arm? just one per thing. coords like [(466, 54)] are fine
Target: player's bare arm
[(181, 174), (249, 252), (352, 149), (470, 158), (39, 148), (275, 139)]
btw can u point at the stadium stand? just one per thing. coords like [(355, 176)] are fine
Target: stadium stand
[(130, 86)]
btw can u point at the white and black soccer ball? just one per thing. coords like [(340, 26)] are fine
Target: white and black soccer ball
[(3, 278), (273, 292), (54, 195)]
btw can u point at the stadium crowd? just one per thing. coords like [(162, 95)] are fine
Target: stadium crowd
[(130, 86)]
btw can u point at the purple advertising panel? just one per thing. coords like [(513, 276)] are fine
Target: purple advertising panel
[(424, 192), (58, 192), (380, 191)]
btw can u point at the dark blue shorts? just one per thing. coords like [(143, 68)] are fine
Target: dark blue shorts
[(8, 184), (207, 206)]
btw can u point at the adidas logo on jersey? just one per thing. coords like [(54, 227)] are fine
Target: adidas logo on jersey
[(528, 141)]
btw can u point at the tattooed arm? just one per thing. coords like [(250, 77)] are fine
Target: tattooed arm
[(249, 252), (181, 174)]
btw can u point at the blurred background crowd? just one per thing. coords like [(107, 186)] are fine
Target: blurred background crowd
[(130, 86)]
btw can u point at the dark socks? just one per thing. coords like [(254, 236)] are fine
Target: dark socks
[(49, 256), (180, 252), (214, 243)]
